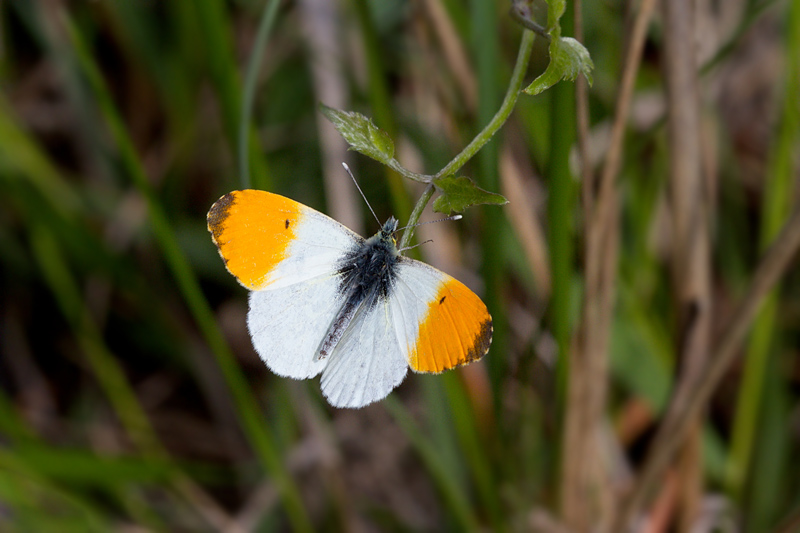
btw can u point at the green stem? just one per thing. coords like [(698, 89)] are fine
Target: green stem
[(397, 167), (517, 78), (415, 215), (561, 202), (250, 83)]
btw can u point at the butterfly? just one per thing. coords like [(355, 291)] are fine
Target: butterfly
[(324, 300)]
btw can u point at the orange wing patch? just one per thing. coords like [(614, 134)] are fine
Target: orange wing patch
[(253, 230), (456, 330)]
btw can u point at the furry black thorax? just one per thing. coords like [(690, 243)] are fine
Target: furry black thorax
[(368, 270)]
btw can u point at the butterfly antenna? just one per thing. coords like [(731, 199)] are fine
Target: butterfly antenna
[(445, 219), (362, 192), (414, 246)]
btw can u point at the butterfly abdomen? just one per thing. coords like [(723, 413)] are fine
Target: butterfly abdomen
[(367, 276)]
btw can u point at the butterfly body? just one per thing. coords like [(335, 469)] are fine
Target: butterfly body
[(326, 300), (367, 275)]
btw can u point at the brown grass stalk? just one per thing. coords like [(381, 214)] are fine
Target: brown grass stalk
[(585, 500), (691, 262), (320, 20)]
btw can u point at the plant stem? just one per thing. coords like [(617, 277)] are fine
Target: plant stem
[(415, 214), (502, 114), (397, 167), (481, 139), (527, 23)]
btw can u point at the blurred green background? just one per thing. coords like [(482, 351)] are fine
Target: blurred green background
[(130, 396)]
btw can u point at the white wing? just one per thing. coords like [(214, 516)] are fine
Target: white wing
[(287, 324), (367, 363)]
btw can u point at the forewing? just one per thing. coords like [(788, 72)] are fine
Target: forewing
[(287, 324), (439, 321), (269, 241), (368, 361)]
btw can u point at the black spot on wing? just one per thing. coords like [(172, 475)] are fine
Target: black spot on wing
[(217, 215), (287, 223), (442, 300)]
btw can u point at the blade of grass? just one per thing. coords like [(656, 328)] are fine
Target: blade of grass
[(453, 494), (484, 46), (475, 452), (561, 204), (24, 491), (441, 431), (217, 43), (106, 370), (560, 210), (247, 407), (250, 85), (108, 373), (777, 203), (767, 490), (484, 41)]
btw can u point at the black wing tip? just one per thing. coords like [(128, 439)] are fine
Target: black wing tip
[(218, 213), (483, 340)]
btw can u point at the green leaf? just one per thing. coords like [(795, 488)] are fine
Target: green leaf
[(361, 134), (459, 193), (568, 58)]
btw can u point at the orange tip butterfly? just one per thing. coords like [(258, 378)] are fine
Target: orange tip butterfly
[(326, 300)]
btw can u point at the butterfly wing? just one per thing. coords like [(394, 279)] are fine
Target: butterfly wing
[(287, 254), (439, 322), (429, 321), (368, 363), (268, 241), (287, 325)]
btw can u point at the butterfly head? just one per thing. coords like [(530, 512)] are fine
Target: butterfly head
[(388, 230)]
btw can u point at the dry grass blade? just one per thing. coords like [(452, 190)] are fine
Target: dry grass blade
[(321, 28), (691, 269), (581, 504), (522, 214), (453, 51)]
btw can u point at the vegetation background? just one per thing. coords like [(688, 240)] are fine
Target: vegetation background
[(644, 372)]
